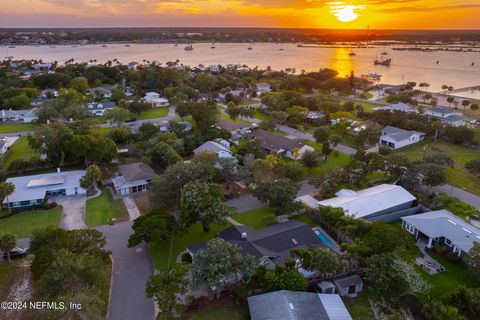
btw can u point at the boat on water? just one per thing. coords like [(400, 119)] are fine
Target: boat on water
[(250, 48), (212, 46), (385, 62), (372, 76), (175, 45), (11, 47), (127, 45), (351, 54), (281, 49), (189, 48), (104, 46), (300, 45), (384, 53)]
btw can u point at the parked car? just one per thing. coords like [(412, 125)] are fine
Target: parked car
[(17, 252)]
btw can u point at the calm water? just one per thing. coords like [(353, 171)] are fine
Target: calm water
[(454, 68)]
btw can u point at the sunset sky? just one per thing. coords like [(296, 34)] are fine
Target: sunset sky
[(378, 14)]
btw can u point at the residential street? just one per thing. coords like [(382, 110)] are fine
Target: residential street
[(131, 269), (462, 195)]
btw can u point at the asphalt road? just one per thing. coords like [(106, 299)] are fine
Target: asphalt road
[(460, 194), (131, 269)]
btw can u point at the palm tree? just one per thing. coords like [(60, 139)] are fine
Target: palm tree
[(92, 176), (6, 189), (296, 154), (8, 241)]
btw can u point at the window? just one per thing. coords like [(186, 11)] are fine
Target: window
[(448, 242), (409, 228)]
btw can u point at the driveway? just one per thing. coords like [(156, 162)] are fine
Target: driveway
[(131, 269), (132, 208), (73, 214)]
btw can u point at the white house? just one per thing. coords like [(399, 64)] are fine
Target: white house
[(262, 87), (450, 116), (440, 112), (397, 107), (220, 148), (372, 202), (31, 191), (396, 138), (155, 99), (26, 116), (97, 109), (444, 228)]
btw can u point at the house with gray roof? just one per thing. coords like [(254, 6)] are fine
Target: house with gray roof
[(132, 178), (396, 138), (271, 142), (26, 116), (403, 107), (444, 228), (272, 244), (297, 305), (34, 190), (97, 109), (450, 116), (220, 148)]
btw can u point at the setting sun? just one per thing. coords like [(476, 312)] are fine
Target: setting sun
[(344, 12)]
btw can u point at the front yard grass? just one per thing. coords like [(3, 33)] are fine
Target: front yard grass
[(24, 223), (17, 127), (153, 113), (104, 210), (458, 176), (160, 252), (254, 218), (20, 150)]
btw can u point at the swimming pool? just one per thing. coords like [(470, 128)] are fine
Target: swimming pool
[(325, 240)]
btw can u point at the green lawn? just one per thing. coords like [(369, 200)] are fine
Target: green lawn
[(305, 219), (261, 116), (153, 113), (17, 127), (447, 281), (359, 307), (160, 253), (102, 209), (227, 117), (458, 175), (254, 218), (20, 150), (22, 224), (231, 313)]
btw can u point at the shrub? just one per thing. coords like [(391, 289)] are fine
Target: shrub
[(269, 219), (186, 257), (383, 150), (453, 257), (440, 249)]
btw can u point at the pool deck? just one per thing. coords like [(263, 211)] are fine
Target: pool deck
[(335, 243)]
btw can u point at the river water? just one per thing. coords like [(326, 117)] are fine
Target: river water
[(453, 68)]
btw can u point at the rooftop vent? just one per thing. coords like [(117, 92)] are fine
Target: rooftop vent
[(294, 241), (244, 235), (291, 306)]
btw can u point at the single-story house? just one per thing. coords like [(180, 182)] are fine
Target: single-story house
[(26, 116), (104, 91), (440, 112), (458, 121), (444, 228), (132, 178), (372, 202), (349, 286), (31, 191), (97, 109), (232, 126), (48, 94), (262, 87), (297, 305), (396, 138), (155, 99), (220, 148), (272, 244), (397, 107), (271, 142)]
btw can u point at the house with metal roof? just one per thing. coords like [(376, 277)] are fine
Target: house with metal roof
[(271, 142), (372, 203), (297, 305), (396, 138), (132, 178), (444, 228), (349, 286), (31, 191), (403, 107), (10, 115), (272, 244)]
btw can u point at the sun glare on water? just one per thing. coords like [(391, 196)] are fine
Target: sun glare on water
[(344, 12)]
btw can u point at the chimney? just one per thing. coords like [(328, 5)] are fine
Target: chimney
[(244, 235), (58, 170)]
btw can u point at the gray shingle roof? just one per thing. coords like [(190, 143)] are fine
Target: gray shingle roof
[(297, 305), (136, 171), (443, 223), (274, 142)]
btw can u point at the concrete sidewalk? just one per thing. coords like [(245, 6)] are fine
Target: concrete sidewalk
[(132, 208)]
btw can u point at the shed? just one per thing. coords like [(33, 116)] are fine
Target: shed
[(349, 286), (326, 287)]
